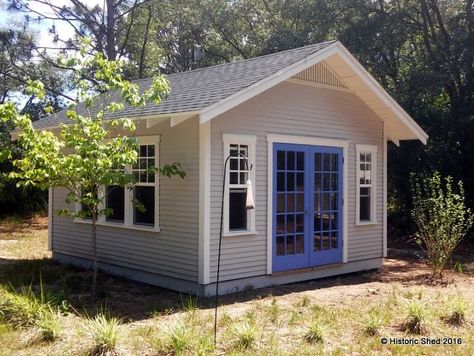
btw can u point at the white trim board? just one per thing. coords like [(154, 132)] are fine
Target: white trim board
[(313, 141), (204, 203)]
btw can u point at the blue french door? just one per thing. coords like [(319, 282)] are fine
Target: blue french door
[(307, 206)]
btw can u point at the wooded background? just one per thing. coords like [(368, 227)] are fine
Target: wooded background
[(421, 51)]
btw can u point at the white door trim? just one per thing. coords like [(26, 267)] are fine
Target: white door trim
[(313, 141)]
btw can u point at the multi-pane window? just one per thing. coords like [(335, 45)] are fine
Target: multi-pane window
[(137, 206), (144, 188), (238, 175), (237, 218), (366, 160)]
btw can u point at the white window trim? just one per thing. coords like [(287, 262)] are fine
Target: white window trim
[(372, 149), (128, 193), (251, 142), (314, 141)]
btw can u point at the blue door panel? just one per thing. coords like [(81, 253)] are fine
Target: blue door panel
[(307, 206)]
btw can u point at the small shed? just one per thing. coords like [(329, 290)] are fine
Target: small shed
[(314, 125)]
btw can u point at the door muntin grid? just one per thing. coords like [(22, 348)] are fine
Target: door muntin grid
[(290, 211), (307, 206)]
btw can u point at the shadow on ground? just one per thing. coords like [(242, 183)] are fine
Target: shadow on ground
[(133, 301)]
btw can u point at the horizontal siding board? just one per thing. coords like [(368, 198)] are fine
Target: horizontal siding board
[(293, 109), (171, 252)]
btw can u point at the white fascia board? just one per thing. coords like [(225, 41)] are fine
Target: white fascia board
[(245, 94), (362, 73)]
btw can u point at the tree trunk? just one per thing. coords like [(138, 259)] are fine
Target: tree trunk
[(110, 30), (94, 253)]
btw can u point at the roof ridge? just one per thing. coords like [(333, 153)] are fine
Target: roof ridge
[(243, 60)]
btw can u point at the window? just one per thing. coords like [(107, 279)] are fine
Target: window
[(144, 189), (366, 180), (238, 219), (137, 207)]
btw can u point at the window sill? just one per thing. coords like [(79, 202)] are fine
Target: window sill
[(119, 225), (365, 223), (240, 233)]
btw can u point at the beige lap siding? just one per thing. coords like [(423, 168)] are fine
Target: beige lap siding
[(174, 250), (293, 109)]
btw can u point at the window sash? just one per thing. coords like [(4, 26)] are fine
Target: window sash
[(366, 178)]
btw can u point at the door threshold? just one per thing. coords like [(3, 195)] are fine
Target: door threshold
[(307, 269)]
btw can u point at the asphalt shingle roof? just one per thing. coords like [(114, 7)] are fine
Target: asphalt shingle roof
[(197, 89)]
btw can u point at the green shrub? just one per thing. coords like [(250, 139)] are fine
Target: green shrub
[(415, 322), (441, 216), (104, 332), (244, 333), (315, 331)]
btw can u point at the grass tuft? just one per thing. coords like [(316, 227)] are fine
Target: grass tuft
[(104, 332), (48, 324), (273, 311), (315, 332), (373, 322), (457, 309), (21, 308), (178, 337), (415, 322), (245, 334)]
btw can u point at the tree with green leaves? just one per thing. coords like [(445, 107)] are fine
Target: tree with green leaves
[(85, 157)]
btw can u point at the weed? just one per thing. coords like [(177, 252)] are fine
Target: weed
[(225, 319), (457, 267), (104, 332), (315, 332), (244, 333), (48, 324), (294, 318), (305, 301), (188, 304), (178, 336), (273, 311), (21, 308), (457, 308), (373, 322), (415, 322)]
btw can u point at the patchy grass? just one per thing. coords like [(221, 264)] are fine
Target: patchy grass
[(337, 316)]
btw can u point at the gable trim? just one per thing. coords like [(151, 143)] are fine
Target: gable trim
[(260, 86)]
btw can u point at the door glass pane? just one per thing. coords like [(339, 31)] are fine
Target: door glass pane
[(290, 245), (300, 161), (281, 181), (318, 162), (326, 160), (299, 244), (291, 160), (290, 224), (326, 241), (281, 160), (280, 245), (300, 223), (290, 202), (334, 239), (290, 182), (280, 202), (299, 202), (280, 228), (334, 162), (300, 182), (317, 242)]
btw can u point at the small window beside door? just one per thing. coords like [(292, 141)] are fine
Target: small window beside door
[(366, 157), (237, 219)]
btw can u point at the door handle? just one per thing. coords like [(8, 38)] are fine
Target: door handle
[(307, 212)]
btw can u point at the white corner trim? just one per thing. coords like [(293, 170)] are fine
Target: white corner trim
[(50, 218), (373, 192), (384, 192), (251, 142), (204, 203), (314, 141), (260, 86)]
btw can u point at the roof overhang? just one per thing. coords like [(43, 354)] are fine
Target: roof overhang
[(399, 125)]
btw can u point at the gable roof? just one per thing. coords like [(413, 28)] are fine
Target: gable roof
[(211, 91)]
